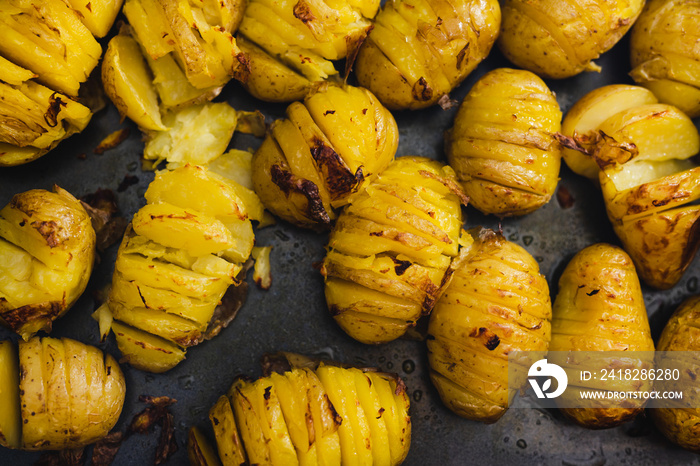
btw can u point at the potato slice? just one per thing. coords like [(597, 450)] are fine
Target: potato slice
[(97, 15), (200, 451), (145, 351), (10, 416), (249, 421), (369, 401), (32, 386), (128, 83), (228, 440), (291, 389)]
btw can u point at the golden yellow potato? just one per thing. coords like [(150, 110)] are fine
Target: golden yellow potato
[(496, 302), (600, 307), (292, 44), (502, 144), (665, 56), (47, 251), (325, 151), (681, 425), (315, 413), (419, 50), (97, 15), (390, 249), (560, 38), (585, 117), (57, 394), (181, 253)]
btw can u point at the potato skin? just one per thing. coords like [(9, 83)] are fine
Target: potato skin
[(497, 302), (600, 307), (559, 39), (326, 150), (502, 146), (390, 249), (48, 246), (444, 41), (664, 55), (681, 426)]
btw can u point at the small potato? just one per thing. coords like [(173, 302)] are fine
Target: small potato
[(419, 50), (681, 425), (664, 53), (390, 249), (502, 144), (560, 38), (47, 252), (57, 394), (497, 302), (600, 307), (325, 151)]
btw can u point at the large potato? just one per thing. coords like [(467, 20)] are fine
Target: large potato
[(292, 44), (681, 425), (57, 394), (325, 151), (502, 144), (47, 251), (313, 413), (600, 307), (182, 252), (664, 51), (558, 39), (390, 249), (419, 50), (497, 302)]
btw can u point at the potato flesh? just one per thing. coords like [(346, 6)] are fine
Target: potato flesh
[(484, 314), (419, 50), (663, 53), (98, 16), (10, 416), (613, 318), (559, 39), (504, 154)]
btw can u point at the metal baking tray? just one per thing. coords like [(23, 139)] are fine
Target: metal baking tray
[(292, 314)]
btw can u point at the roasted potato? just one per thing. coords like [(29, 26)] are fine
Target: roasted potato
[(419, 50), (181, 253), (319, 413), (502, 144), (57, 394), (324, 152), (496, 302), (47, 251), (291, 45), (665, 56), (559, 39), (681, 425), (389, 251), (97, 15), (600, 307)]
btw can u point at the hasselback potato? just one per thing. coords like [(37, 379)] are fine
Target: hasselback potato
[(559, 39), (665, 56), (390, 249), (419, 50), (290, 45), (681, 424), (326, 150), (502, 144), (47, 251), (57, 394), (600, 308), (312, 413), (496, 303), (180, 254)]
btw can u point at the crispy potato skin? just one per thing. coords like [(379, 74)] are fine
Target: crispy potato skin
[(559, 39), (326, 150), (390, 249), (600, 307), (502, 146), (48, 246), (664, 54), (419, 50), (71, 393), (496, 302), (680, 425)]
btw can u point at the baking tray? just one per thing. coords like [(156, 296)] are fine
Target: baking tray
[(292, 314)]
